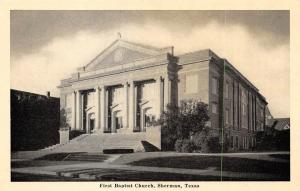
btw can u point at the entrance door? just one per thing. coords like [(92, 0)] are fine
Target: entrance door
[(119, 123), (92, 125)]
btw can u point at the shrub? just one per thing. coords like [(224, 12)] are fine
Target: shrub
[(214, 145), (178, 145), (180, 123), (200, 139), (184, 145), (168, 138)]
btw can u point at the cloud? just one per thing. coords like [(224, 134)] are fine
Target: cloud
[(267, 68)]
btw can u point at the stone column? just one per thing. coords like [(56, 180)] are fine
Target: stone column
[(106, 111), (102, 109), (125, 121), (97, 108), (78, 110), (132, 103), (167, 91), (73, 123), (82, 112), (160, 96)]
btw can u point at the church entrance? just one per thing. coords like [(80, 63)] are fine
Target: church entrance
[(92, 125), (117, 122)]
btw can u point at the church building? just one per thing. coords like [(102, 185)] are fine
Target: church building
[(121, 93)]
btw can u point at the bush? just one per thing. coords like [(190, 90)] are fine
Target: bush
[(168, 138), (214, 145), (183, 122), (273, 140), (184, 146), (200, 141)]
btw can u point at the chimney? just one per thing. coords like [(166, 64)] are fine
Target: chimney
[(48, 94)]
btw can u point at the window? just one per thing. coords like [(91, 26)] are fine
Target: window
[(191, 83), (227, 116), (261, 112), (244, 103), (227, 90), (262, 126), (245, 143), (237, 142), (214, 108), (215, 86)]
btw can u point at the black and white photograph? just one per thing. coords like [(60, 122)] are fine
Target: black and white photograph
[(149, 96)]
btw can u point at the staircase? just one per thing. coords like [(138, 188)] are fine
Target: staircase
[(96, 157), (93, 143)]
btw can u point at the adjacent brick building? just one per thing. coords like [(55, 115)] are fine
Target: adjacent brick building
[(34, 120)]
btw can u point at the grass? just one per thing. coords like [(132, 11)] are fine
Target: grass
[(37, 163), (54, 156), (233, 164), (280, 156), (172, 160), (121, 176)]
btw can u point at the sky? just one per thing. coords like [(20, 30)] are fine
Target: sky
[(47, 46)]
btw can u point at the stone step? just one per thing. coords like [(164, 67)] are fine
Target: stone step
[(86, 157), (99, 142)]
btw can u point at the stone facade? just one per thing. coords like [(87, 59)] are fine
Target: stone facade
[(127, 86)]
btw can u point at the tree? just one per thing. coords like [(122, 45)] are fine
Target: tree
[(183, 122)]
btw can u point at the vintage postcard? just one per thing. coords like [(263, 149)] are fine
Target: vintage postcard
[(149, 97)]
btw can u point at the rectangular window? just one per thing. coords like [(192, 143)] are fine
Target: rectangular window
[(191, 83), (215, 86), (227, 90), (244, 103), (237, 142), (261, 112), (227, 116), (214, 108)]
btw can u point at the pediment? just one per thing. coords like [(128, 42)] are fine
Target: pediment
[(121, 52)]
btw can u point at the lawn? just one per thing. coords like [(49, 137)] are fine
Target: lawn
[(233, 164), (37, 163)]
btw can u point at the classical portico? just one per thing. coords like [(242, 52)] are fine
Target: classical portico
[(121, 107), (123, 90)]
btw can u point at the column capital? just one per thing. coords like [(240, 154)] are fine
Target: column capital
[(131, 82), (101, 87), (159, 78), (166, 77), (97, 88), (125, 83)]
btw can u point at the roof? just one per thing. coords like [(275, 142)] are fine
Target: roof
[(282, 124), (196, 56), (147, 50), (18, 92)]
